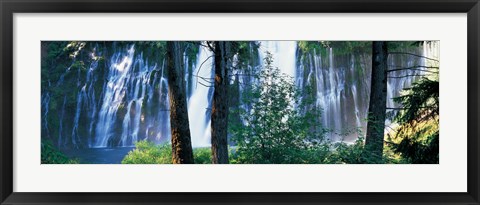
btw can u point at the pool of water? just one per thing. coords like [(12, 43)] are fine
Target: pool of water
[(111, 155)]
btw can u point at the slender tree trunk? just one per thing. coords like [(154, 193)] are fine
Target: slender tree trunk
[(378, 101), (181, 143), (219, 116)]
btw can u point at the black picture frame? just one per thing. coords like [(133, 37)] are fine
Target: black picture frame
[(10, 7)]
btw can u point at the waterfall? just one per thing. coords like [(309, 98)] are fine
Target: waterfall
[(75, 137), (199, 103), (342, 84), (332, 92), (60, 127), (115, 90), (45, 107), (91, 103), (123, 98), (128, 86), (86, 100), (283, 53)]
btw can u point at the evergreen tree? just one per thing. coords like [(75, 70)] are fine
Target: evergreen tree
[(273, 131), (419, 122)]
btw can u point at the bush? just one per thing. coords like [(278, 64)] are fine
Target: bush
[(350, 154), (149, 153), (343, 153), (322, 153), (202, 155), (51, 155)]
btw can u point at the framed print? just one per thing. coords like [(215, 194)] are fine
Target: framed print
[(190, 102)]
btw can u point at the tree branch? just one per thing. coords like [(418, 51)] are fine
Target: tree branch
[(209, 86), (201, 68), (412, 54), (249, 75), (208, 80), (195, 43), (210, 46), (417, 66), (399, 69), (403, 108), (406, 76)]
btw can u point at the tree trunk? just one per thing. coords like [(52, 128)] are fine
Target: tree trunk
[(378, 101), (219, 116), (181, 143)]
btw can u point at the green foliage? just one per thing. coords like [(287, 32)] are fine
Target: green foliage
[(64, 73), (63, 68), (420, 102), (202, 155), (51, 155), (349, 47), (280, 128), (350, 154), (152, 50), (246, 52), (273, 131), (417, 137), (340, 47), (356, 154), (311, 46), (420, 151), (54, 61), (147, 152), (403, 45), (159, 45), (74, 48), (191, 51)]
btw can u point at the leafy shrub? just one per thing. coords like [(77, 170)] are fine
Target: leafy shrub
[(51, 155), (147, 152), (349, 154), (202, 155), (344, 153)]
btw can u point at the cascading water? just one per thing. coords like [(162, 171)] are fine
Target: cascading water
[(131, 104), (60, 128), (199, 103), (85, 99), (131, 85), (283, 53), (123, 98), (45, 107), (342, 84), (115, 91)]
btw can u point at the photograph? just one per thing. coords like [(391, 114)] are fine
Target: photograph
[(240, 102)]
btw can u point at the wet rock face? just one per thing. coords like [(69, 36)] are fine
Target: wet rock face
[(341, 83)]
